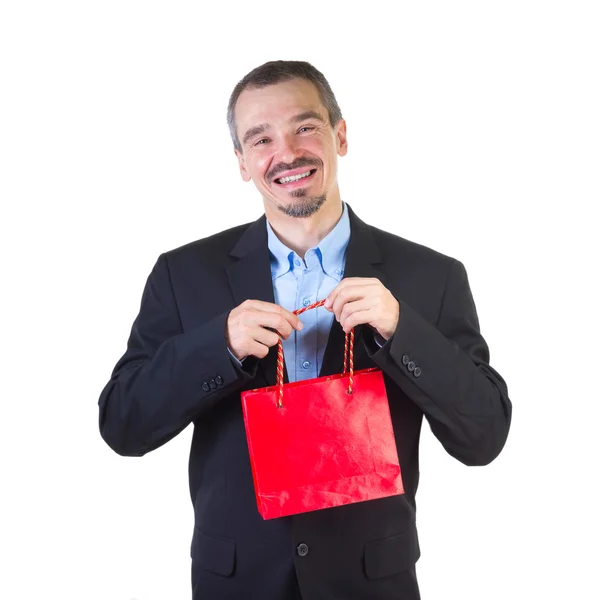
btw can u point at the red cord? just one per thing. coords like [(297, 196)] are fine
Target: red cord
[(348, 355)]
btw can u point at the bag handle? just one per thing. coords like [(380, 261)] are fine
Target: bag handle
[(348, 355)]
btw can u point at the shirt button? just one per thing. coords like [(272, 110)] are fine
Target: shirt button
[(306, 301), (302, 549), (339, 272), (297, 262), (306, 364)]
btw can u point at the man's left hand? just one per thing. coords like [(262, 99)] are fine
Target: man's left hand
[(364, 301)]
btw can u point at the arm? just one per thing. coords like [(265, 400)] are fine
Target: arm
[(465, 400), (166, 378)]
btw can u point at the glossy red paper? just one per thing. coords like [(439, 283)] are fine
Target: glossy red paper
[(323, 447)]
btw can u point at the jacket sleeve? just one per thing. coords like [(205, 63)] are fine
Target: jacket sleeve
[(166, 378), (445, 370)]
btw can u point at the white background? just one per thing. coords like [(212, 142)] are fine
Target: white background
[(473, 129)]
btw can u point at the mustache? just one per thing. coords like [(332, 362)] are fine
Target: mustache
[(301, 162)]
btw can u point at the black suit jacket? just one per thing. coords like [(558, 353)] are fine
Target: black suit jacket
[(177, 370)]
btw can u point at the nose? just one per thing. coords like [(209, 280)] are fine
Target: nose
[(289, 149)]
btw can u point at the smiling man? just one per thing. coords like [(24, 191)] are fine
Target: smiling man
[(210, 318)]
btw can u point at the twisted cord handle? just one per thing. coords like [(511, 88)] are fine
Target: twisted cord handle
[(348, 355)]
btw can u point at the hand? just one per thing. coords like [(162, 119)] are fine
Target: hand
[(246, 329), (364, 301)]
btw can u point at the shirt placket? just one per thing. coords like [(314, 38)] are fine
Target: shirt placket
[(306, 347)]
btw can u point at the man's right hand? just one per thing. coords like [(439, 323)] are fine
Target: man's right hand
[(246, 330)]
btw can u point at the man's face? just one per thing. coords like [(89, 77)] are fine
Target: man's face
[(284, 131)]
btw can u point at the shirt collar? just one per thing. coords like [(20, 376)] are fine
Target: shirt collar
[(281, 255), (331, 250), (333, 247)]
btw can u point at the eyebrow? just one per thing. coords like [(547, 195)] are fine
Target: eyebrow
[(304, 116), (307, 114)]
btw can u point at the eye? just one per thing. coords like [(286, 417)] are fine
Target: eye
[(305, 127), (260, 142)]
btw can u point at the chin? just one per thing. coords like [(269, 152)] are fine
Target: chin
[(303, 206)]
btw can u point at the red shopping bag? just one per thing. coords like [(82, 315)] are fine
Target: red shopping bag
[(322, 442)]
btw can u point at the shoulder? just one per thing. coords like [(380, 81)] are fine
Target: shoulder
[(414, 272), (411, 265), (397, 251), (214, 249), (392, 245)]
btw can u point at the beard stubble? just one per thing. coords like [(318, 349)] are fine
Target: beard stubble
[(305, 206)]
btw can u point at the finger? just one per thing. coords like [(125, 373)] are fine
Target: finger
[(348, 281), (351, 307), (257, 349), (264, 336), (269, 307), (336, 290), (273, 321), (360, 317), (350, 294)]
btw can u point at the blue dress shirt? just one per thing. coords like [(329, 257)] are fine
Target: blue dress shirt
[(300, 281)]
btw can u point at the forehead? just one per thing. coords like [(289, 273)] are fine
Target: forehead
[(277, 101)]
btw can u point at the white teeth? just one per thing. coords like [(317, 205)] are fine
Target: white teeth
[(294, 177)]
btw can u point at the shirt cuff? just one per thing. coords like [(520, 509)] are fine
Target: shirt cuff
[(235, 358), (380, 340)]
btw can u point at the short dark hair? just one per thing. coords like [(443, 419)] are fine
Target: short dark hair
[(277, 71)]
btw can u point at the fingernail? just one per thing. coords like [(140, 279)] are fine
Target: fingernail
[(327, 303), (300, 326)]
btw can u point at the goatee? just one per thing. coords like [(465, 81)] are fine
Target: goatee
[(303, 207)]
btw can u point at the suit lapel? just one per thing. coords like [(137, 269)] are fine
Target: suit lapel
[(363, 259), (250, 278)]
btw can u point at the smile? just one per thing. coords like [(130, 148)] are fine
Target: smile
[(294, 178)]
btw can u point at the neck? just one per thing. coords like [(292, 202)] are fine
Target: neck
[(301, 234)]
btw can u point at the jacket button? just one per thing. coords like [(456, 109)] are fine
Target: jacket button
[(411, 366), (417, 372), (213, 384), (205, 387), (405, 359), (219, 380), (302, 550)]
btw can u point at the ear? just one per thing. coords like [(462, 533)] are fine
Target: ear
[(242, 164), (340, 137)]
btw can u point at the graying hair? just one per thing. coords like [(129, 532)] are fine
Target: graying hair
[(277, 71)]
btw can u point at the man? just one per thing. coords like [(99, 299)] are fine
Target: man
[(208, 328)]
